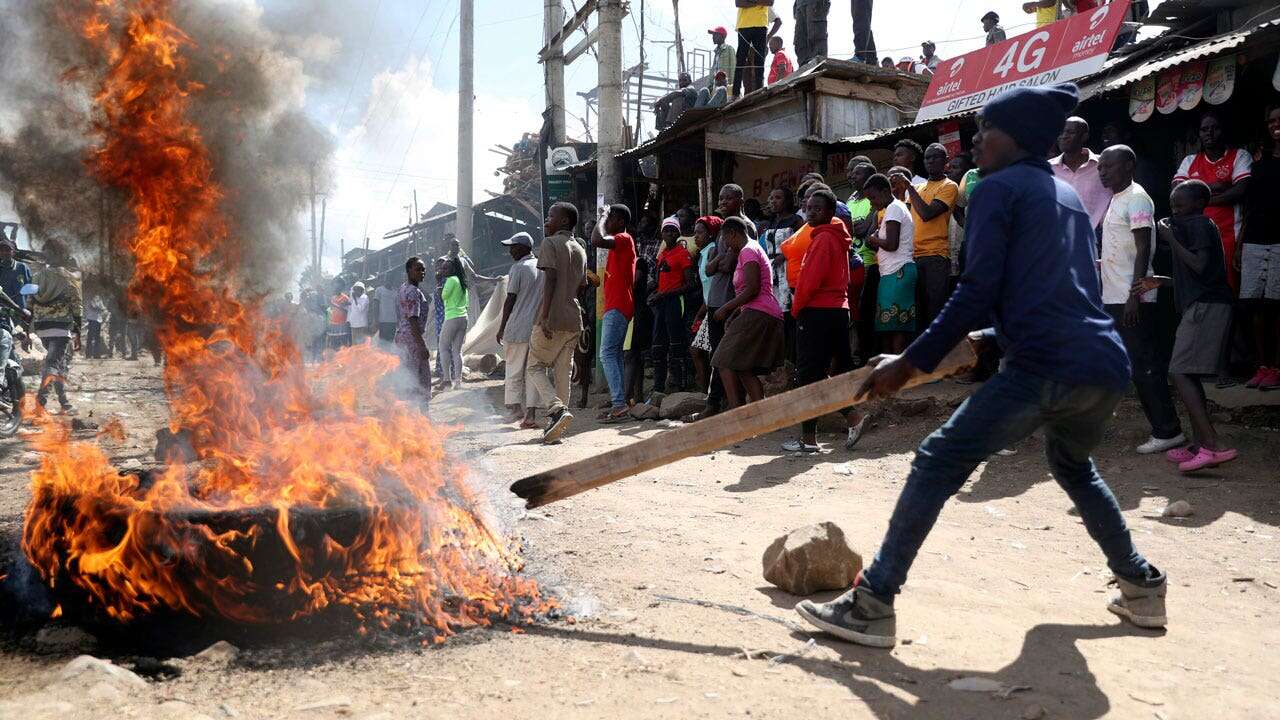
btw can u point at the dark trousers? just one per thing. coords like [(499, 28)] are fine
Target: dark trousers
[(1007, 409), (811, 29), (715, 333), (822, 349), (387, 332), (864, 41), (117, 334), (670, 343), (57, 364), (751, 54), (1149, 379), (867, 313), (93, 345), (933, 286)]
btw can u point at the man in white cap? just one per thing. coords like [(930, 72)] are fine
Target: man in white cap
[(524, 294), (358, 315)]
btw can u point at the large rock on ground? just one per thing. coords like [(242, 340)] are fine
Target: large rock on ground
[(485, 364), (677, 405), (810, 559)]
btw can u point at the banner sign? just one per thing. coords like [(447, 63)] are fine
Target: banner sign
[(1057, 53)]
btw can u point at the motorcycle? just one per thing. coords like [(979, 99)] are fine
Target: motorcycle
[(12, 392)]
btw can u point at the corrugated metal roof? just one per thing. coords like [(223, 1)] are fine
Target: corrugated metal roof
[(1199, 51)]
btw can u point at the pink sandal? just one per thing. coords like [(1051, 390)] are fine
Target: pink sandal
[(1180, 455), (1207, 458)]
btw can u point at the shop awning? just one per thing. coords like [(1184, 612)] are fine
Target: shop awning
[(1200, 51)]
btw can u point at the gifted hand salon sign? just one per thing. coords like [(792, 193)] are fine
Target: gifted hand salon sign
[(1057, 53)]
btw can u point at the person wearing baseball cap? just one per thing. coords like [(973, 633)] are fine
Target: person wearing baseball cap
[(1030, 268), (724, 58), (515, 330), (991, 25)]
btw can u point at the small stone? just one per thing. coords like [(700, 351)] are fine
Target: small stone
[(1178, 509), (1032, 712), (131, 464), (29, 458), (810, 559), (220, 653), (680, 404), (54, 640), (87, 666), (81, 424)]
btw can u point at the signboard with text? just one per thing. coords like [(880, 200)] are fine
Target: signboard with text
[(1057, 53)]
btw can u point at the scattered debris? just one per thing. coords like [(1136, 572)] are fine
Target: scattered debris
[(845, 469), (91, 670), (1178, 509), (1147, 701), (783, 657), (736, 610), (811, 558), (336, 704), (1007, 691), (975, 684), (82, 424), (665, 700), (1032, 712)]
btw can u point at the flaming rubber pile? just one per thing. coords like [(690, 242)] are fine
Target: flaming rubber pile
[(311, 489)]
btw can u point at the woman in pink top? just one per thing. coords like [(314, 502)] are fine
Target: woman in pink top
[(753, 337)]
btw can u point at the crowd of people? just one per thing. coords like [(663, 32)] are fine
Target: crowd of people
[(820, 284)]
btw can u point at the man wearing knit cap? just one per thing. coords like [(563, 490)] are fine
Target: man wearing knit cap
[(1030, 266)]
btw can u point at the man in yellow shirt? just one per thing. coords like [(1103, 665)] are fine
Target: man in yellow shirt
[(1046, 11), (931, 204), (754, 20)]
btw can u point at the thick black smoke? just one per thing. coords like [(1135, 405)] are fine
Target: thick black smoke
[(250, 113)]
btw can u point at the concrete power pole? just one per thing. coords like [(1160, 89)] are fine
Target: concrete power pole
[(553, 68), (466, 131), (610, 131)]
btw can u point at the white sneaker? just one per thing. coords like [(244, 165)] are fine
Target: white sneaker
[(1156, 445)]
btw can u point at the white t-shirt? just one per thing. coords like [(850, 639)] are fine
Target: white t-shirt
[(358, 312), (892, 262), (1131, 209), (388, 304)]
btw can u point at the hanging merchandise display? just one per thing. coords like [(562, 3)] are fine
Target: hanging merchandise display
[(1220, 80), (1191, 85), (1167, 91), (1142, 99)]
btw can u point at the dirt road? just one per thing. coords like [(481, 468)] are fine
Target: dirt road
[(673, 618)]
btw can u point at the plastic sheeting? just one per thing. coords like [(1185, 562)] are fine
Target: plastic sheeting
[(482, 335)]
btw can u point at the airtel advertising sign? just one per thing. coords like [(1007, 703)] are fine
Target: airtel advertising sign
[(1056, 53)]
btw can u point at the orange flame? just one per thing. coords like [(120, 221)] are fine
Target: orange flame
[(311, 490)]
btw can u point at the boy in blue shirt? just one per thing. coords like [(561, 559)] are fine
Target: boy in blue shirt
[(1030, 268)]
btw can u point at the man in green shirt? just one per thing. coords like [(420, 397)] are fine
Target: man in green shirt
[(724, 58)]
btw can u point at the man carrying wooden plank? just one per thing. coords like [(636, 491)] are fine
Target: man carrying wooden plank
[(1030, 265)]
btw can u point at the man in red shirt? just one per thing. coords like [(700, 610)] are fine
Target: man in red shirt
[(781, 66), (1226, 171), (820, 305), (619, 302)]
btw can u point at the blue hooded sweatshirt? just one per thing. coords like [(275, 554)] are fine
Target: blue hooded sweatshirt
[(1031, 271)]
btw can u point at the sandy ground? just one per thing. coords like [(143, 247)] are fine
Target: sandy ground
[(673, 618)]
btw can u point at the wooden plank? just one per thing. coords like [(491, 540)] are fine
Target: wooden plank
[(582, 46), (773, 413), (574, 23), (754, 146)]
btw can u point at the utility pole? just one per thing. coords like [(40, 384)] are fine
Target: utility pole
[(553, 68), (324, 206), (640, 80), (609, 132), (466, 108), (675, 6), (315, 260)]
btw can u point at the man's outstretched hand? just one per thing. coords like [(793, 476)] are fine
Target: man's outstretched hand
[(890, 374)]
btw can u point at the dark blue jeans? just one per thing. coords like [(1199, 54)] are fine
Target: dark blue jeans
[(1008, 408)]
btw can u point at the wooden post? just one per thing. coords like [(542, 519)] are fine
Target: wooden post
[(773, 413)]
